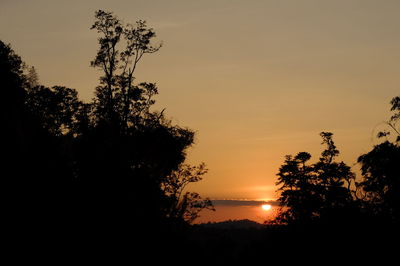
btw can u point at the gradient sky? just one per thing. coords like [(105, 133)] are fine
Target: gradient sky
[(239, 210), (256, 79)]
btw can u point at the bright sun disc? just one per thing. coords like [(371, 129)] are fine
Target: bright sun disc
[(266, 207)]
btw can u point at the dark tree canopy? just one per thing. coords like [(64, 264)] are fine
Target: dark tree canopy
[(101, 166), (33, 167), (58, 108), (380, 184), (310, 192)]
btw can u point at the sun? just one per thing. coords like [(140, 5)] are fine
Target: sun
[(266, 207)]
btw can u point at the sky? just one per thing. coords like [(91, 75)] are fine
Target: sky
[(256, 80), (239, 210)]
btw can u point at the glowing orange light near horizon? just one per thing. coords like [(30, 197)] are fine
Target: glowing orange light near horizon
[(266, 207)]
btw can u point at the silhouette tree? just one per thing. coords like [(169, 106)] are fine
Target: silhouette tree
[(336, 178), (13, 116), (101, 172), (103, 163), (295, 178), (25, 143), (118, 100), (34, 175), (128, 150), (380, 186), (57, 108), (393, 127), (184, 205), (32, 77), (314, 192), (12, 83)]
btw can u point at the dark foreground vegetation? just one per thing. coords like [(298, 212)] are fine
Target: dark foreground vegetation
[(313, 243), (108, 177)]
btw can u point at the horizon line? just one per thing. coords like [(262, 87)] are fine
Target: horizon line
[(243, 202)]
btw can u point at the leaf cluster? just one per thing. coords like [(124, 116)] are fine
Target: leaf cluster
[(312, 191)]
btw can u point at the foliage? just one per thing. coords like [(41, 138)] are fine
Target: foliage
[(58, 108), (118, 100), (183, 204), (33, 163), (129, 150), (314, 191), (12, 78), (380, 186), (393, 123), (105, 162), (32, 77)]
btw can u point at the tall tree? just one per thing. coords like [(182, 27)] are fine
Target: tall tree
[(32, 77), (130, 150), (118, 99), (310, 192), (93, 171), (104, 163), (380, 186), (297, 192)]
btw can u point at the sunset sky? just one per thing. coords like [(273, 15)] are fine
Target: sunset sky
[(255, 79)]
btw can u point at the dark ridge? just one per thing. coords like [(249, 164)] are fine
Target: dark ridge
[(233, 224)]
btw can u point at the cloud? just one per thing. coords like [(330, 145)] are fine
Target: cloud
[(237, 203)]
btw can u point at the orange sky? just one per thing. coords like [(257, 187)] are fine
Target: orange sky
[(239, 210), (256, 79)]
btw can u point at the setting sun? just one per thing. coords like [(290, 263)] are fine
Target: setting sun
[(266, 207)]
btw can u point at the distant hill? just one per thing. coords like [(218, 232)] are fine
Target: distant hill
[(233, 224)]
